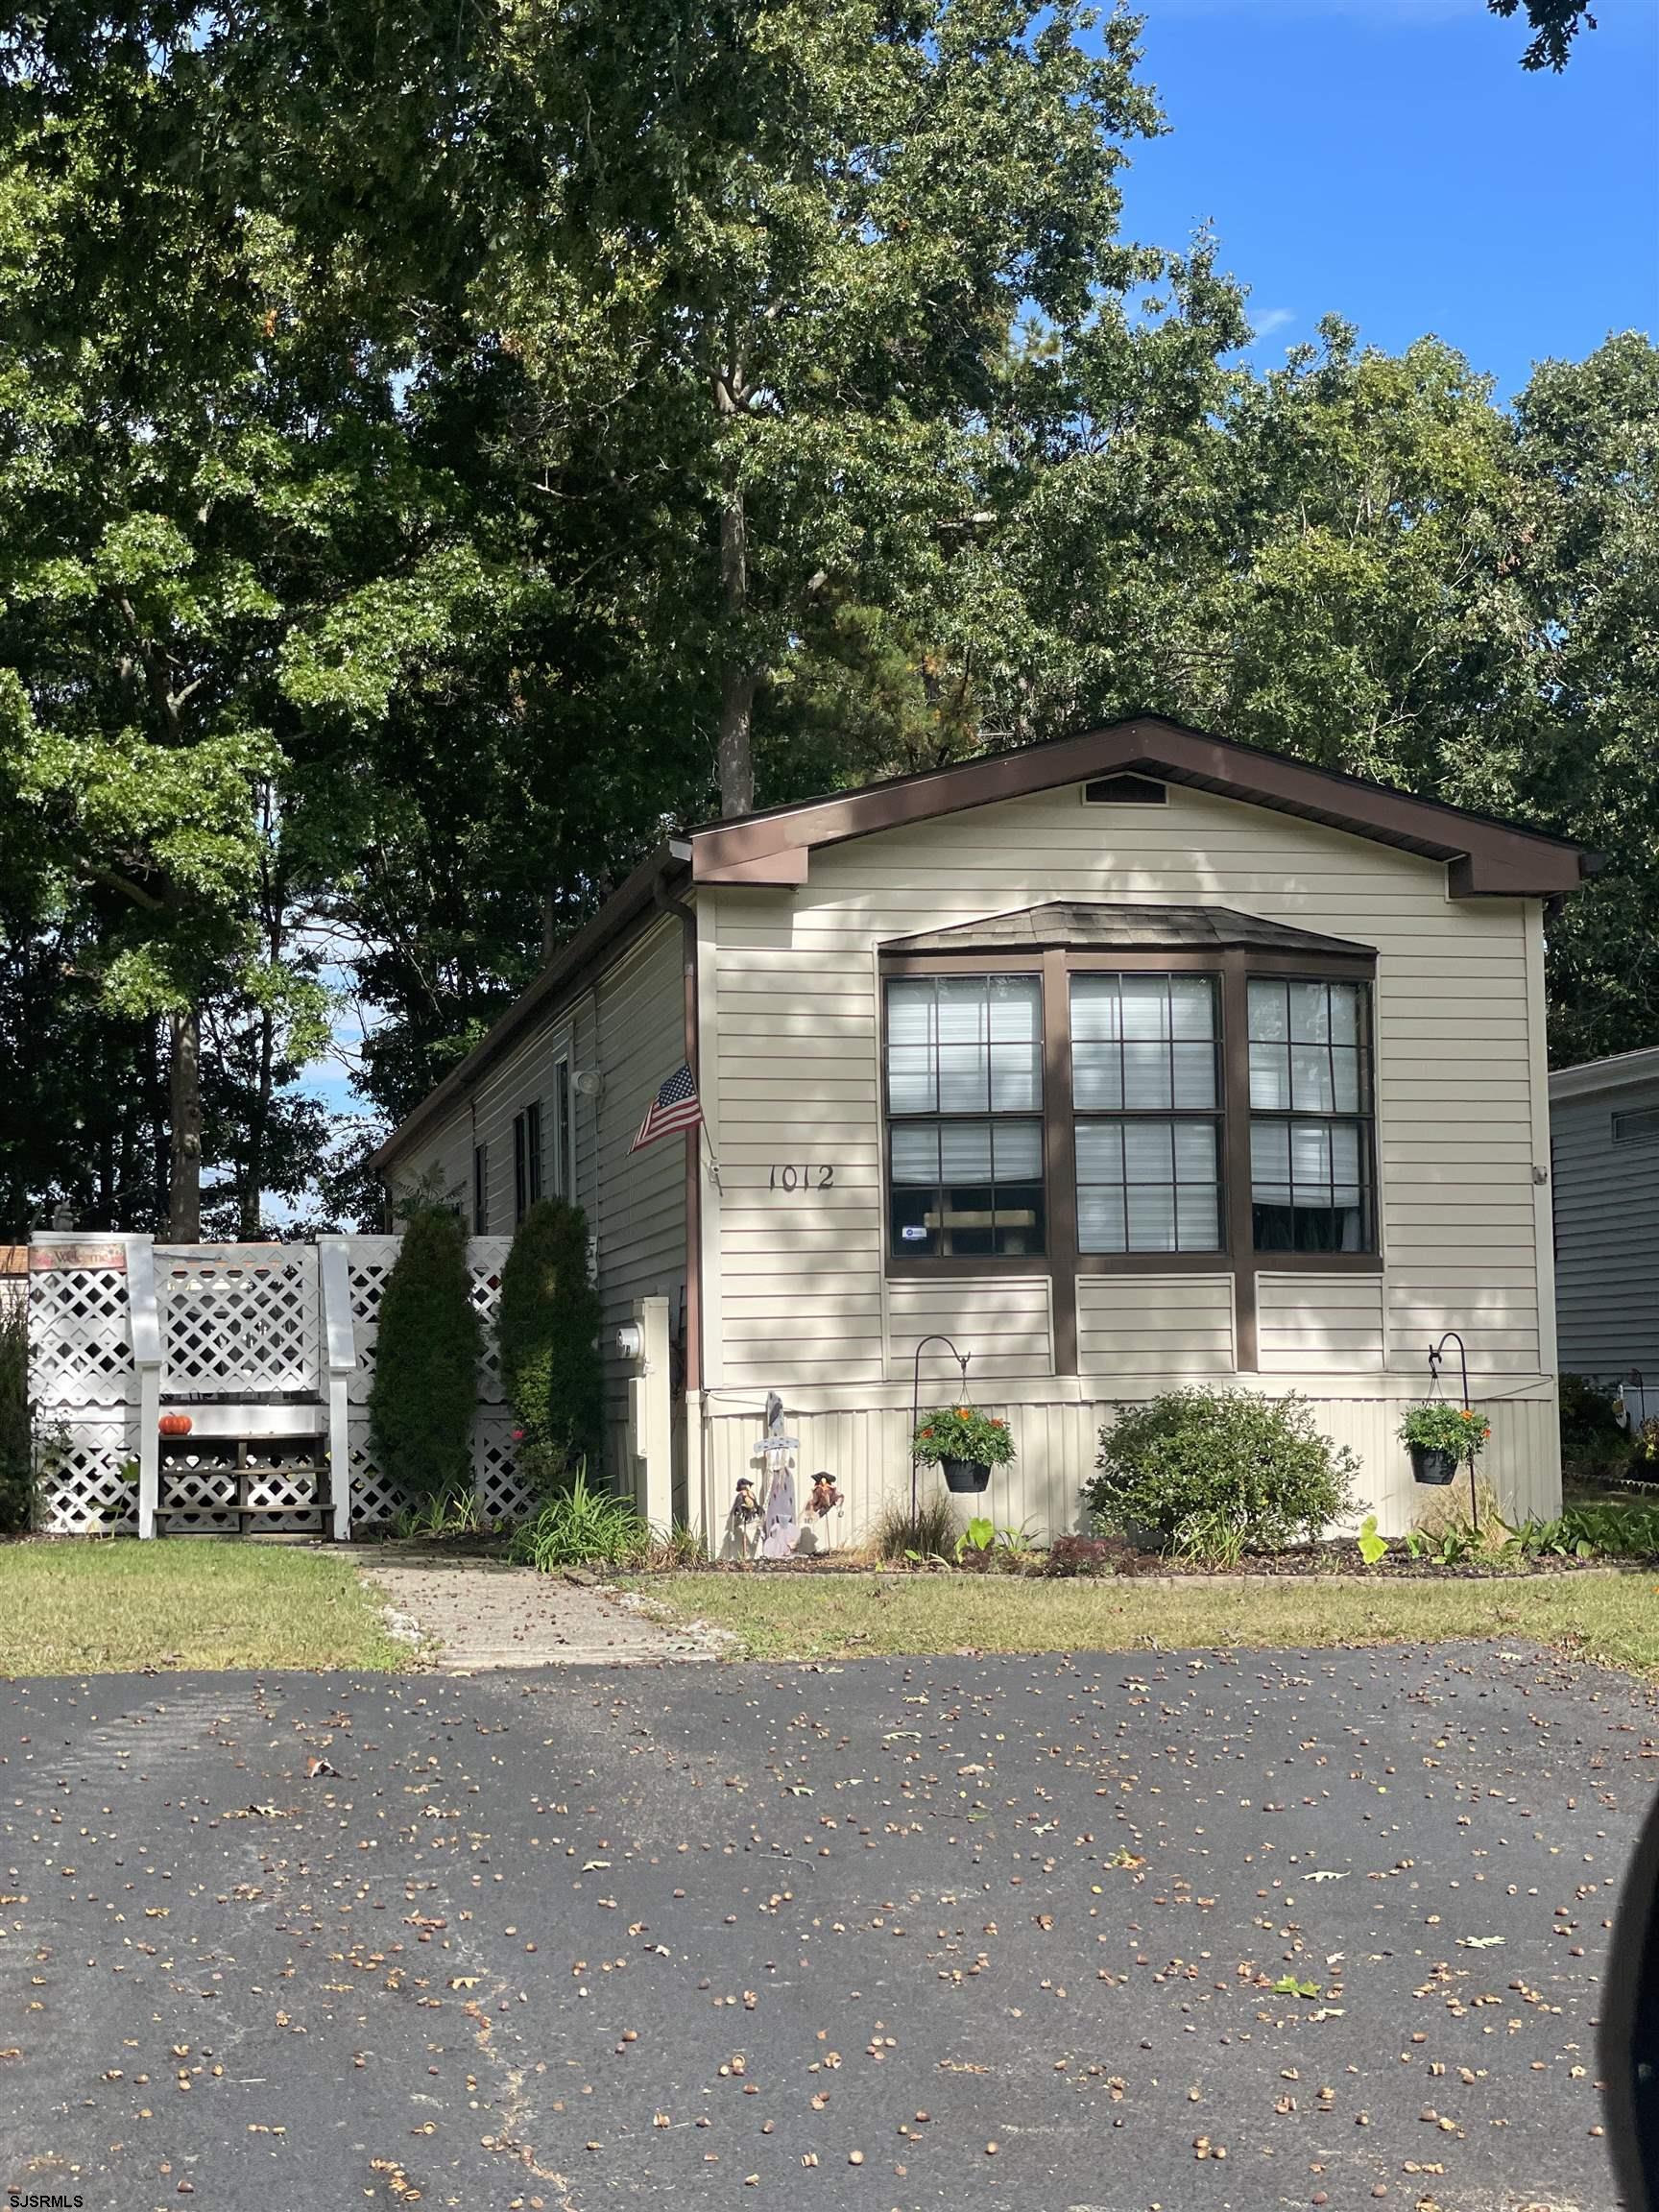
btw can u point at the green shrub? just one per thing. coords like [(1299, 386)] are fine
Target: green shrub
[(1213, 1473), (929, 1533), (427, 1362), (1594, 1438), (583, 1528), (549, 1336), (16, 1420)]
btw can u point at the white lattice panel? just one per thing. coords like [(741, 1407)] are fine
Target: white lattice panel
[(369, 1260), (238, 1317), (80, 1337), (83, 1493), (374, 1501), (502, 1491)]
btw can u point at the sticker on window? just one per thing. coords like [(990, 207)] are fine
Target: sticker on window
[(913, 1233)]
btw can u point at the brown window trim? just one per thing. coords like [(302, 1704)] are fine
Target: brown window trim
[(1063, 1263)]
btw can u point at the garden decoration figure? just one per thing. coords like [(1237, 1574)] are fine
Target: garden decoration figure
[(825, 1496), (744, 1518), (782, 1526)]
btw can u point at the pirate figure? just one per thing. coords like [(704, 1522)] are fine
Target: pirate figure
[(824, 1498), (744, 1518)]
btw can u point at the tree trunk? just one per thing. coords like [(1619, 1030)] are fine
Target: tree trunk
[(185, 1116), (259, 1121), (737, 677)]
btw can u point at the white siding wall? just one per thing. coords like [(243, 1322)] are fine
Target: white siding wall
[(799, 1298), (1606, 1237)]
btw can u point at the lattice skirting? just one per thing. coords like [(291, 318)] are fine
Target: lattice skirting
[(503, 1492), (208, 1482), (81, 1491)]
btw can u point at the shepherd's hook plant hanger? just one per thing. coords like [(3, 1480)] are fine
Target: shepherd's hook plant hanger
[(961, 1359), (1436, 1354)]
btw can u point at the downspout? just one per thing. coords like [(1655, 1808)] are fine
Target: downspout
[(666, 902)]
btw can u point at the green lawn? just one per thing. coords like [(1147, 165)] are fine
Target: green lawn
[(1613, 1617), (79, 1607)]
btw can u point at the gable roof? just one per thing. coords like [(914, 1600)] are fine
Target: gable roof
[(1593, 1076), (1486, 857), (1122, 925)]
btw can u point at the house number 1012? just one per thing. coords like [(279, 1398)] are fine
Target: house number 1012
[(793, 1178)]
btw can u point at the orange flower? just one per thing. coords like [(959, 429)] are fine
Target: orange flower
[(995, 1424)]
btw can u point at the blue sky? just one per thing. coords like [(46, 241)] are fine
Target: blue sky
[(1391, 161)]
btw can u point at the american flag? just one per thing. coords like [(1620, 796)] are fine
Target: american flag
[(674, 1107)]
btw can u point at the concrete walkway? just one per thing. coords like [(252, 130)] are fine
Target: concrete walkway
[(470, 1613)]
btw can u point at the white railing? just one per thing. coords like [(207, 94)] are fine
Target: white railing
[(120, 1327)]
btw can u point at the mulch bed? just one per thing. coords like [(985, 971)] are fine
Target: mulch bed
[(1339, 1558)]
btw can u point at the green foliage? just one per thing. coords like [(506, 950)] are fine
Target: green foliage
[(426, 1389), (1440, 1427), (1594, 1438), (1450, 1544), (16, 1419), (962, 1432), (583, 1528), (1372, 1547), (456, 1512), (1616, 1532), (983, 1546), (548, 1330), (1555, 23), (929, 1533), (1213, 1473)]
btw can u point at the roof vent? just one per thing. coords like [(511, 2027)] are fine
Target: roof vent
[(1125, 791)]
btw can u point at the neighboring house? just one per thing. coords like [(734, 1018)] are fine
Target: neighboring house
[(1135, 1059), (1604, 1120)]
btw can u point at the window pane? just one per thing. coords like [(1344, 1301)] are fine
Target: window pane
[(1102, 1218), (1269, 1077), (1198, 1217), (964, 1079), (1269, 1009), (910, 1011), (1269, 1151), (1015, 1009), (1016, 1078), (1151, 1217), (1192, 1006), (962, 1009), (916, 1154), (1309, 1013), (1146, 1074), (1310, 1079), (1145, 1006), (1345, 999), (1095, 1008), (1096, 1077), (1099, 1152), (910, 1084), (1017, 1149), (1149, 1152), (1345, 1079), (1194, 1075), (965, 1151), (1195, 1151), (1345, 1151), (1310, 1152)]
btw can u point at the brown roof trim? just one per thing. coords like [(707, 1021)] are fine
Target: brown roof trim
[(1488, 858), (570, 971), (1111, 925)]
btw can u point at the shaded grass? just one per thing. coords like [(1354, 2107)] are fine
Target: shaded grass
[(92, 1607), (1613, 1617)]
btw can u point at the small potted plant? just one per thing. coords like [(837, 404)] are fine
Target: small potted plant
[(1439, 1436), (965, 1443)]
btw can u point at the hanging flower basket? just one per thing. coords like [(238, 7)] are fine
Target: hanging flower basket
[(964, 1475), (1438, 1436), (965, 1443), (1429, 1465)]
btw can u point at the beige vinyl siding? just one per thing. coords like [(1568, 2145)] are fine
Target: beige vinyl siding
[(637, 1218), (1320, 1324), (1130, 1327), (793, 1018), (1003, 1323)]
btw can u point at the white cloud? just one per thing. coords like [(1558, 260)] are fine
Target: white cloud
[(1270, 320)]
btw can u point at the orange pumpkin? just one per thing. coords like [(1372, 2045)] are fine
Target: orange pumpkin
[(175, 1425)]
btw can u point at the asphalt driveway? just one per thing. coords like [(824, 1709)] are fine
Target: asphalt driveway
[(923, 1934)]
